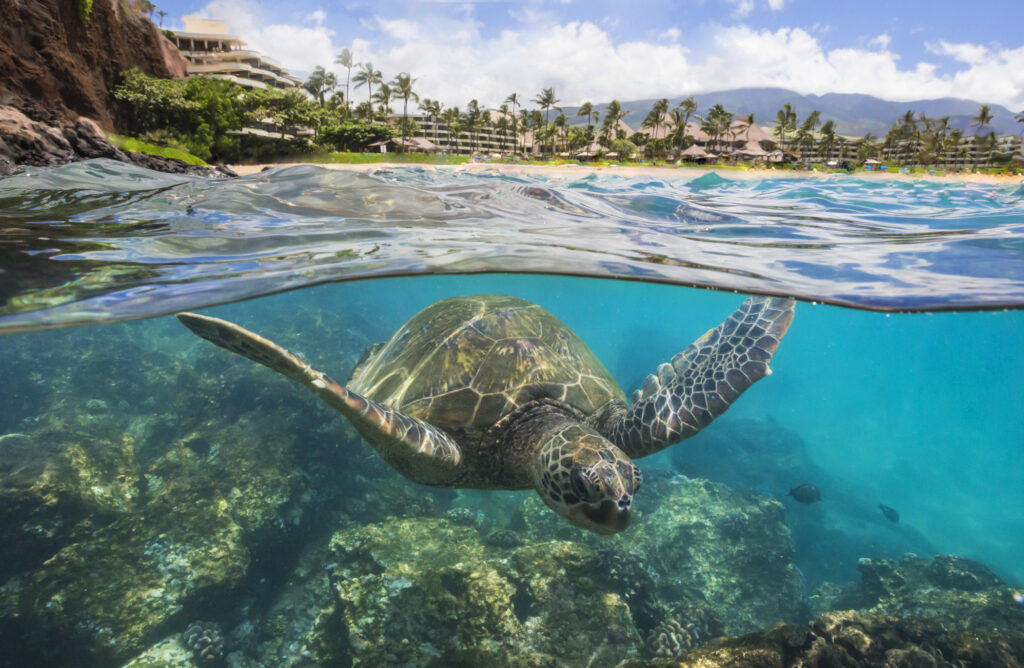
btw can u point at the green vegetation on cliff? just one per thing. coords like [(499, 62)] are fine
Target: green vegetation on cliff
[(132, 144), (84, 8)]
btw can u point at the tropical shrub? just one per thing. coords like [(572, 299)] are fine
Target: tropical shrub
[(353, 135)]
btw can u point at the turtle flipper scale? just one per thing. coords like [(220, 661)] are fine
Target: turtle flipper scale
[(416, 449), (702, 381)]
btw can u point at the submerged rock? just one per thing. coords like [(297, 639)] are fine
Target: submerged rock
[(56, 483), (851, 638), (431, 592), (734, 549)]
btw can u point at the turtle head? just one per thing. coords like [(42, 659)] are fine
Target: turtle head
[(586, 479)]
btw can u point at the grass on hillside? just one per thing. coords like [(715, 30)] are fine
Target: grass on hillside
[(338, 157), (131, 144)]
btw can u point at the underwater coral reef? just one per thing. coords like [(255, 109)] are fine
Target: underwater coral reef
[(161, 505)]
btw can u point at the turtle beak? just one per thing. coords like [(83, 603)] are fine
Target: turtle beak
[(608, 517)]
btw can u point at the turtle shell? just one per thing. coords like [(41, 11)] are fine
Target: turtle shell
[(463, 363)]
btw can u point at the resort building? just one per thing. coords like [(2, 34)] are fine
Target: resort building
[(212, 52), (487, 139)]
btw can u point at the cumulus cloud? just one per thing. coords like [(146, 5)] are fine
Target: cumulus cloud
[(454, 59)]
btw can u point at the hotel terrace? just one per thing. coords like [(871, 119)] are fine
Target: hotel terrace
[(212, 52)]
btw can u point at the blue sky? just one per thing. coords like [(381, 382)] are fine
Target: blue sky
[(598, 50)]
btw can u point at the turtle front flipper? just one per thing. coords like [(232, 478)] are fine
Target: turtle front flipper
[(701, 382), (416, 449)]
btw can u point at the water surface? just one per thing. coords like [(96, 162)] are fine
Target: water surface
[(101, 240)]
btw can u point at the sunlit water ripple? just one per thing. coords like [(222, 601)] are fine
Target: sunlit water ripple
[(100, 240)]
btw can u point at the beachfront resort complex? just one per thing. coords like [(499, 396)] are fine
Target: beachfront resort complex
[(680, 134)]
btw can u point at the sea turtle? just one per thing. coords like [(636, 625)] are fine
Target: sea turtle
[(494, 392)]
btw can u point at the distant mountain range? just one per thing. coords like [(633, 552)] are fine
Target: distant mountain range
[(855, 115)]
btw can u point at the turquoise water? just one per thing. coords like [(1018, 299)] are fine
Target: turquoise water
[(125, 429)]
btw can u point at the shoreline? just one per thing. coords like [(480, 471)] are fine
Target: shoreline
[(687, 173)]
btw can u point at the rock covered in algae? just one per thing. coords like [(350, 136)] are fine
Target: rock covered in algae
[(732, 548), (956, 592), (431, 592), (106, 594), (53, 482), (851, 638), (168, 653), (186, 541)]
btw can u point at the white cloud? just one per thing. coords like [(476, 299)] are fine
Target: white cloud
[(972, 54), (882, 41), (318, 17), (672, 34), (743, 7), (455, 60)]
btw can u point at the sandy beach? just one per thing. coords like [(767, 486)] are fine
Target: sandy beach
[(686, 173)]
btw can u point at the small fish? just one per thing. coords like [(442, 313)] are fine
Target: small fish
[(806, 493), (890, 513)]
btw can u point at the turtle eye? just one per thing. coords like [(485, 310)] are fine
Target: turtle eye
[(578, 485)]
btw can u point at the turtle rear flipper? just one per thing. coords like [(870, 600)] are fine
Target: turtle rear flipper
[(418, 450), (702, 381)]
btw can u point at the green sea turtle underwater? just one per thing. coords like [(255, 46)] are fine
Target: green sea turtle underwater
[(494, 392)]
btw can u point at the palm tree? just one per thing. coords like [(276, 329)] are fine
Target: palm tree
[(317, 84), (161, 13), (717, 123), (679, 120), (983, 119), (587, 109), (828, 139), (345, 60), (1020, 119), (383, 98), (688, 107), (956, 138), (785, 120), (513, 99), (471, 120), (805, 135), (368, 76), (546, 100), (612, 115), (501, 125), (402, 87), (659, 110), (451, 118), (525, 121), (561, 123), (433, 109), (909, 132), (866, 147)]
